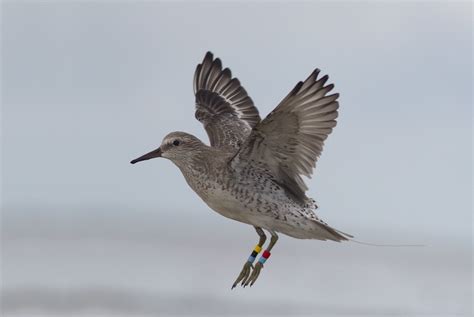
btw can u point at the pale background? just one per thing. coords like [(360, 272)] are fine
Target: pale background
[(87, 86)]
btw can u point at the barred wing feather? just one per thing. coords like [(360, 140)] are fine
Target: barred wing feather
[(222, 104), (291, 138)]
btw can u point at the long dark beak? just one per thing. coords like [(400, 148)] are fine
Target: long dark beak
[(148, 156)]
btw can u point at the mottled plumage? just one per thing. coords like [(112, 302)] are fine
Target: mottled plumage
[(252, 171)]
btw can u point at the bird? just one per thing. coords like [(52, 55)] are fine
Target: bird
[(252, 170)]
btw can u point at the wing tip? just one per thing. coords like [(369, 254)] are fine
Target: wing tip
[(297, 88), (315, 73), (209, 56), (324, 78)]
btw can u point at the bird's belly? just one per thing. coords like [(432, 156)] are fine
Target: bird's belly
[(224, 203), (268, 209), (260, 210)]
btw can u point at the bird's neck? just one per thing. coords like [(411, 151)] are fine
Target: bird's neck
[(200, 161), (203, 167)]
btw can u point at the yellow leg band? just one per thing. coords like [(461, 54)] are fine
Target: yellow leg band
[(257, 248)]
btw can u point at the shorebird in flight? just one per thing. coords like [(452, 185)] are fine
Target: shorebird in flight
[(252, 171)]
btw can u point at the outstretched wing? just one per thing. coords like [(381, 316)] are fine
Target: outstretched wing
[(222, 104), (290, 139)]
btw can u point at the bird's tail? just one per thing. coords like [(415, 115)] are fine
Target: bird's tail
[(337, 235)]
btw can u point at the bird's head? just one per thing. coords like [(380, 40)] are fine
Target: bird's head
[(179, 147)]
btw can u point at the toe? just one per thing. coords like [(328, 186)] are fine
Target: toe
[(243, 274), (253, 277)]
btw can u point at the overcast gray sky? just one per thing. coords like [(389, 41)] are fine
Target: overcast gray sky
[(87, 87)]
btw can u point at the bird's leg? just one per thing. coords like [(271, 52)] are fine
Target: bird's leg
[(258, 267), (246, 270)]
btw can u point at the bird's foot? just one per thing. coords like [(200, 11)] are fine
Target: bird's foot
[(244, 274), (256, 272)]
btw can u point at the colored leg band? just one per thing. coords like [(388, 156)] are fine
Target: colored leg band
[(254, 254), (266, 254)]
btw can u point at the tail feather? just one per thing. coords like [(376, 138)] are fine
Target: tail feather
[(337, 235)]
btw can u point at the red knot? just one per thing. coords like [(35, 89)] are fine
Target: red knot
[(252, 171)]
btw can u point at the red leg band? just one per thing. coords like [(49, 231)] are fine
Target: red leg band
[(266, 254)]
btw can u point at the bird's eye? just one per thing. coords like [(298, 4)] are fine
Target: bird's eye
[(175, 142)]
